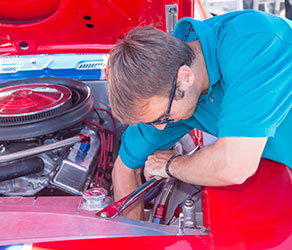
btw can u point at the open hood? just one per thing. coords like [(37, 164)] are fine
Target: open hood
[(66, 26)]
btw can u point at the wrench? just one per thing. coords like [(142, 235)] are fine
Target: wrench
[(113, 210)]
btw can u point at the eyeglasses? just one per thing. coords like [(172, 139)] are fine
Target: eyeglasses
[(165, 119)]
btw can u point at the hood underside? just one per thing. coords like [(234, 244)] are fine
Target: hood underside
[(64, 26)]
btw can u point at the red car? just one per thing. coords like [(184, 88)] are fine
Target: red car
[(58, 140)]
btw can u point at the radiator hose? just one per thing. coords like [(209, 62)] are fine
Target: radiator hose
[(21, 168)]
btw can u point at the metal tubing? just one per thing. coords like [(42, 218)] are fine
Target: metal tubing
[(41, 149), (161, 209)]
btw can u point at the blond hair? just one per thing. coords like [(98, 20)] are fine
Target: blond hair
[(142, 65)]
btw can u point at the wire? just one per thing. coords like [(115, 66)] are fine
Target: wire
[(199, 189), (101, 121), (110, 114), (178, 209), (70, 131), (194, 194), (106, 147)]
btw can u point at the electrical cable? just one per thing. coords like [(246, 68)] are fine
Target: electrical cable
[(106, 147), (178, 209)]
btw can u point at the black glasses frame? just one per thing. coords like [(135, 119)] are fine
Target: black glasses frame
[(165, 119)]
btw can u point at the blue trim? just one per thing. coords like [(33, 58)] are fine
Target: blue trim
[(66, 73)]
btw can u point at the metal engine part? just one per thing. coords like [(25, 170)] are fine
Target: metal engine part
[(75, 170), (95, 199), (53, 161), (31, 184), (189, 213), (18, 122)]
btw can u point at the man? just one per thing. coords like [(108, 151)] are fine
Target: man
[(230, 76), (288, 8)]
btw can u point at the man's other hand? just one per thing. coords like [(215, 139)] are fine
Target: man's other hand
[(155, 164)]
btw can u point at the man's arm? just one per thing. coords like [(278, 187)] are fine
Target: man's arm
[(230, 160), (125, 180)]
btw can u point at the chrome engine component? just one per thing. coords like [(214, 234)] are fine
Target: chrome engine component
[(189, 213), (95, 199), (75, 170), (180, 230), (41, 149), (56, 164), (26, 111), (37, 116)]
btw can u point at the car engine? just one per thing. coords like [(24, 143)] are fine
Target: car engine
[(58, 138), (35, 119)]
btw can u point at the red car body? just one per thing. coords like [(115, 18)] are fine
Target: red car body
[(254, 215)]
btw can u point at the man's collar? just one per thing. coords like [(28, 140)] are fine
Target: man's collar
[(188, 30)]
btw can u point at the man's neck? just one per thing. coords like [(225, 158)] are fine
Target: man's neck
[(199, 60)]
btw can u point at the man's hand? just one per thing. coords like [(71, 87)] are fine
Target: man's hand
[(155, 164)]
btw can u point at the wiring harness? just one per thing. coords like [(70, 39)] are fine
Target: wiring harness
[(106, 146)]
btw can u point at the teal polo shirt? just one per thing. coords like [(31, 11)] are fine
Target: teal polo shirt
[(248, 55)]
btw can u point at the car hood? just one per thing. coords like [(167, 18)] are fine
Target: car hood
[(68, 26)]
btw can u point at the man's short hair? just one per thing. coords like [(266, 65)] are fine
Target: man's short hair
[(142, 65)]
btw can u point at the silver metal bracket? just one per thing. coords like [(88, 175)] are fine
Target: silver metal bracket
[(171, 17)]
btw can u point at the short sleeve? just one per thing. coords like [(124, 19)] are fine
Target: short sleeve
[(138, 142), (257, 77)]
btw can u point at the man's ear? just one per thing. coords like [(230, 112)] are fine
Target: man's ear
[(185, 76)]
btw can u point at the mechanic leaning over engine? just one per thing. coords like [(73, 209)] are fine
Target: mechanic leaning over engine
[(230, 76)]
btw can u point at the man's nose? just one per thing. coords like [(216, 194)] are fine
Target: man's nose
[(160, 126)]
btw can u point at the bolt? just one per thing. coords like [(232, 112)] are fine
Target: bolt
[(180, 230), (189, 203), (172, 10), (104, 215), (34, 61), (204, 230)]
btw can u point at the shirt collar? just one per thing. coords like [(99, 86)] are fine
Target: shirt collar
[(188, 30)]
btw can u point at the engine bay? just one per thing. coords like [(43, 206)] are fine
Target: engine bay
[(58, 139)]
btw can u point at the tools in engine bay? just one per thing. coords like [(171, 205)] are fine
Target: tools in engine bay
[(118, 207), (187, 207)]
